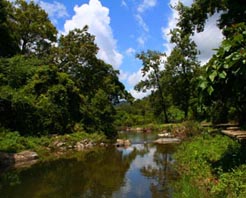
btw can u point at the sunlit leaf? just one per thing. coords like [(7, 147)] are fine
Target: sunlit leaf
[(222, 74), (203, 85), (213, 75), (210, 90)]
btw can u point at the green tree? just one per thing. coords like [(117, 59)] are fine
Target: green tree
[(225, 75), (194, 17), (37, 99), (152, 62), (97, 80), (74, 52), (181, 66), (35, 32), (8, 42)]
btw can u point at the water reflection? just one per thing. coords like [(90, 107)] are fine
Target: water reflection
[(150, 172), (142, 170)]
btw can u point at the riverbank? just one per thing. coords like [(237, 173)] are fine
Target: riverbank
[(13, 145), (211, 165)]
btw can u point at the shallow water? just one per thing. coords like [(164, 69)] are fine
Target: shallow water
[(141, 170)]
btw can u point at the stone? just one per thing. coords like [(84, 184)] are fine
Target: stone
[(166, 134), (167, 141), (79, 146), (25, 156), (121, 143), (102, 144), (18, 159)]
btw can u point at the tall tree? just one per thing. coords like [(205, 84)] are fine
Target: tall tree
[(74, 51), (98, 81), (223, 81), (152, 62), (34, 29), (194, 17), (181, 66), (8, 42)]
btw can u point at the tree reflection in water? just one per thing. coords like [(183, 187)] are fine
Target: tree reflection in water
[(162, 172), (142, 170)]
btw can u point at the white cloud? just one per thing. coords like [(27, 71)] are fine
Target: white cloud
[(141, 40), (135, 77), (130, 51), (96, 16), (132, 80), (123, 75), (123, 3), (142, 7), (206, 41), (142, 23), (146, 4), (139, 95), (209, 39), (55, 9)]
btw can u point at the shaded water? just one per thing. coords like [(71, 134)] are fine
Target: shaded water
[(142, 170)]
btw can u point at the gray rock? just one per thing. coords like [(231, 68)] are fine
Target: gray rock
[(167, 141)]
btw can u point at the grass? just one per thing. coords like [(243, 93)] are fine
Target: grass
[(213, 164)]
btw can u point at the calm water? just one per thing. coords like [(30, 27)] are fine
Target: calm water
[(142, 170)]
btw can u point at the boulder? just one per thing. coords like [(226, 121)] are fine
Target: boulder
[(122, 143), (18, 159), (166, 135), (25, 156), (167, 141)]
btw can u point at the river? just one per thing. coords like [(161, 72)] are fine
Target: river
[(142, 170)]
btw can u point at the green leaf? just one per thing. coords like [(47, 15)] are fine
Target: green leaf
[(227, 47), (213, 75), (203, 85), (226, 66), (210, 90), (222, 74)]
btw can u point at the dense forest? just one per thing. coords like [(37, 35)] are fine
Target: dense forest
[(57, 85), (51, 85)]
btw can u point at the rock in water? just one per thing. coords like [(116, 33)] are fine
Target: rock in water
[(121, 142), (167, 141), (25, 156)]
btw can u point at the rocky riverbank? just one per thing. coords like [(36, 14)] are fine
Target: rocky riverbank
[(56, 148)]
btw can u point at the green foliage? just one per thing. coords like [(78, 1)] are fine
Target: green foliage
[(37, 99), (194, 17), (33, 29), (212, 164), (181, 68), (8, 42), (140, 112), (13, 142), (152, 62), (231, 184), (225, 73)]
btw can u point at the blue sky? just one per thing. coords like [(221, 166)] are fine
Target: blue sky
[(126, 27)]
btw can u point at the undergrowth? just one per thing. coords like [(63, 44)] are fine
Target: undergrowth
[(215, 165)]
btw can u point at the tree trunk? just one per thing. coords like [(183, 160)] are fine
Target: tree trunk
[(163, 105)]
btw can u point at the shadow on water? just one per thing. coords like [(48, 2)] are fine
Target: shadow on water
[(142, 170)]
